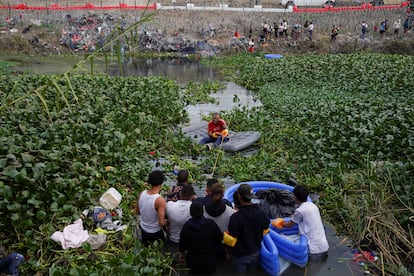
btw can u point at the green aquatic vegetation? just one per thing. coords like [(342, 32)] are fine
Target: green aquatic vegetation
[(6, 67), (53, 165), (345, 106), (59, 134), (344, 125), (194, 93)]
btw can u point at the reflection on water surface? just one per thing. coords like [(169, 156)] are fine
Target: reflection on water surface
[(180, 69)]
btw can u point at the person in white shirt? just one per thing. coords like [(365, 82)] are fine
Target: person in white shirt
[(285, 27), (178, 212), (251, 46), (310, 30), (364, 29), (309, 221), (397, 26), (280, 30)]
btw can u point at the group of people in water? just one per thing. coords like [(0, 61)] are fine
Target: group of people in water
[(202, 231)]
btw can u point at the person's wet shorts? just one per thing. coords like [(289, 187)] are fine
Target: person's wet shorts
[(148, 238), (245, 263), (171, 246), (320, 257)]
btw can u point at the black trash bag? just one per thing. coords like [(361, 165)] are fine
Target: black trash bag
[(277, 203)]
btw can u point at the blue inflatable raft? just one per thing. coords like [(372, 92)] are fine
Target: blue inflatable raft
[(280, 247), (272, 56)]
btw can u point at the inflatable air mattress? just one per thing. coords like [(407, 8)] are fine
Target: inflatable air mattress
[(238, 140)]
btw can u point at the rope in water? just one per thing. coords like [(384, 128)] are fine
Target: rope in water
[(228, 126)]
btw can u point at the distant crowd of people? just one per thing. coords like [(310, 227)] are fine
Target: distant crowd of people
[(384, 27), (282, 30)]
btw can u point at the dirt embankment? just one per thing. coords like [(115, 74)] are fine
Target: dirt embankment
[(193, 26)]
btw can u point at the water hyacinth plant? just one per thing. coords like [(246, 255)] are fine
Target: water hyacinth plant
[(342, 123), (53, 163)]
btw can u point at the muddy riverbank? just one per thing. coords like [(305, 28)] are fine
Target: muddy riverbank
[(41, 32)]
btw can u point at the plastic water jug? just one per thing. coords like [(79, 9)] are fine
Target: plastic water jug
[(110, 199)]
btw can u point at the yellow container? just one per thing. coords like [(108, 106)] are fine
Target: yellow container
[(229, 240)]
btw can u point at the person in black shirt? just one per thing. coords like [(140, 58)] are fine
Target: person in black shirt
[(247, 225), (199, 242)]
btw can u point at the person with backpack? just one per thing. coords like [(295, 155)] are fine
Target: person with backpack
[(383, 27), (334, 32)]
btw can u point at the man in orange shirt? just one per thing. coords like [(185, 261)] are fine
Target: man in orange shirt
[(217, 132)]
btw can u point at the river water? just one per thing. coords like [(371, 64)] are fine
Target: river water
[(184, 70), (179, 69)]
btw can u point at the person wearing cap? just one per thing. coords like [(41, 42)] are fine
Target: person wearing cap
[(309, 221), (151, 208), (200, 240), (207, 198), (246, 227), (217, 131), (178, 212), (173, 193)]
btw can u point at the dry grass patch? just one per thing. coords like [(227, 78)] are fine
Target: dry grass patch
[(15, 42)]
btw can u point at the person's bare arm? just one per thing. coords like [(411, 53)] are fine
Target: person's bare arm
[(288, 224), (137, 212), (160, 205)]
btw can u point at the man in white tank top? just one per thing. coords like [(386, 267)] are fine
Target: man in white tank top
[(151, 207)]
